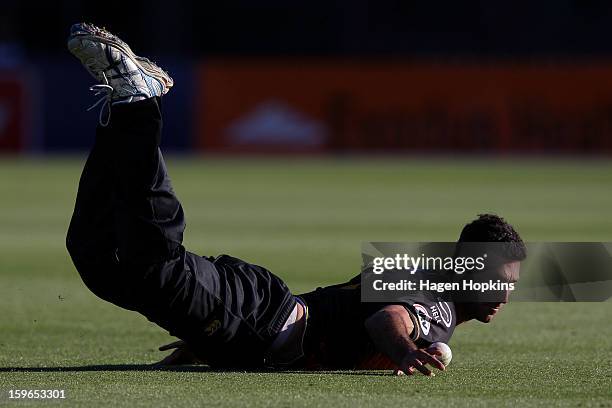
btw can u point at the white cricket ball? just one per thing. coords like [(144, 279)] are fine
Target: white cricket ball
[(446, 355)]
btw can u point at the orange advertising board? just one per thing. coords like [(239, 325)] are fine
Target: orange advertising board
[(13, 111), (355, 106)]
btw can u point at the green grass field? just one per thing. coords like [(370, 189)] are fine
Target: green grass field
[(305, 220)]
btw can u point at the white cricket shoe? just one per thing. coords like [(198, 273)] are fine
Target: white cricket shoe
[(122, 75)]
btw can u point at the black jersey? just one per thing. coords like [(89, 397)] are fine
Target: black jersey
[(336, 337)]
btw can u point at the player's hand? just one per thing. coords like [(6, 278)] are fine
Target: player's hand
[(181, 355), (173, 345), (416, 360), (434, 351)]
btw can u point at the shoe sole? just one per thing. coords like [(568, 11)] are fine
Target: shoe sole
[(144, 64)]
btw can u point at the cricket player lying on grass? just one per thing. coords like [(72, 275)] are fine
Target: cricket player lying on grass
[(125, 239)]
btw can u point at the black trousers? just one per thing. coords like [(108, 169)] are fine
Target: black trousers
[(125, 239)]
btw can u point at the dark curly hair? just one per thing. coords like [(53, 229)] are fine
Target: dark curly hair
[(493, 228)]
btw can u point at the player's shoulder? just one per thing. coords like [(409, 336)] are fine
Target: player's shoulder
[(434, 319)]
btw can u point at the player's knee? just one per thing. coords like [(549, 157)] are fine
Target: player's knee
[(72, 245), (85, 246), (76, 247)]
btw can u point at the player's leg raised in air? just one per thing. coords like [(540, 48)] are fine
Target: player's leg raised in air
[(125, 237)]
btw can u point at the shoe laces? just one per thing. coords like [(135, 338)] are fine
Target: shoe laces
[(107, 91)]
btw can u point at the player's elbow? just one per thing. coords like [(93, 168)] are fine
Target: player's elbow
[(385, 316)]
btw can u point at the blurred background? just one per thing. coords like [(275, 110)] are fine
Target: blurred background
[(323, 77)]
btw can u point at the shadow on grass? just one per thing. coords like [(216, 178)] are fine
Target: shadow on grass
[(189, 368)]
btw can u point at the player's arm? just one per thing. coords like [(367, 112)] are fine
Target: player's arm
[(390, 329)]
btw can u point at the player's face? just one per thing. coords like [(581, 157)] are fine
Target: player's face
[(485, 311)]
